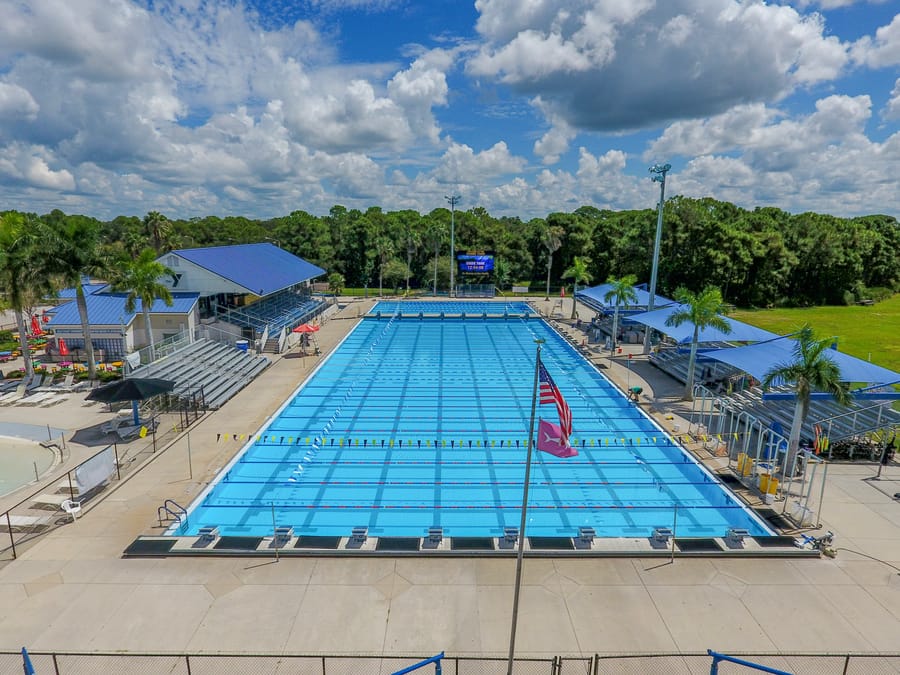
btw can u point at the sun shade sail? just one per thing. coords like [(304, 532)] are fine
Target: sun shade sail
[(759, 359), (740, 331)]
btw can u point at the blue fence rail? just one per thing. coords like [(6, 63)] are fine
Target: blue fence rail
[(436, 660), (716, 658)]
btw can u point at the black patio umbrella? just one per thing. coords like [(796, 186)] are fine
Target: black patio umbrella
[(132, 389)]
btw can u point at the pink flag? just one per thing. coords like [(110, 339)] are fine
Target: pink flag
[(551, 439)]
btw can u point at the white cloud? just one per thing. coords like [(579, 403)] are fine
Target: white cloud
[(619, 65), (892, 110), (28, 165), (16, 103), (461, 164), (883, 50)]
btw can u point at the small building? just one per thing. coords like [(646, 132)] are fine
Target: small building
[(115, 331)]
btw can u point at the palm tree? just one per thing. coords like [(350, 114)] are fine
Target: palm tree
[(578, 272), (336, 284), (551, 240), (501, 273), (435, 235), (74, 250), (140, 278), (21, 275), (412, 245), (622, 293), (384, 249), (158, 229), (810, 369), (703, 310)]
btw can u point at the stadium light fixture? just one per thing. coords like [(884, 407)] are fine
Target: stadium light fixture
[(659, 172), (453, 200)]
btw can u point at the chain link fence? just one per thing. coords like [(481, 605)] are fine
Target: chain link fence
[(63, 663)]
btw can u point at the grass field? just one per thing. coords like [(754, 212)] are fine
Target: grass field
[(865, 332)]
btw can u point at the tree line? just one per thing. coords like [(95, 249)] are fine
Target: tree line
[(758, 258)]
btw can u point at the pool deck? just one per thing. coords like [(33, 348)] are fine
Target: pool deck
[(71, 590)]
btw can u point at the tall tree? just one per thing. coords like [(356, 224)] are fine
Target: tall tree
[(158, 230), (501, 273), (578, 272), (384, 249), (22, 279), (73, 251), (621, 293), (703, 310), (435, 235), (551, 240), (140, 278), (811, 368)]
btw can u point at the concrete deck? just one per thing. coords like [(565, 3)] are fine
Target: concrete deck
[(71, 590)]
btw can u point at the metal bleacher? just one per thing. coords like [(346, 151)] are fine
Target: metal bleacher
[(282, 310), (836, 421), (218, 370)]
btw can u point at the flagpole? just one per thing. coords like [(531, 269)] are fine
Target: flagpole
[(521, 553)]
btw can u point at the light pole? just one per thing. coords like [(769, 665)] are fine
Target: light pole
[(659, 172), (453, 201)]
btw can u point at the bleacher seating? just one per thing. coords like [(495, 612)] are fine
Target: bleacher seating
[(674, 361), (837, 421), (219, 369), (276, 311)]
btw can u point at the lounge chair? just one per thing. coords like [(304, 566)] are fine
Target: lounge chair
[(11, 397), (35, 399), (53, 399), (132, 431), (25, 523), (55, 501)]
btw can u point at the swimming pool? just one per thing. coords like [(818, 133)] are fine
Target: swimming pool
[(418, 423)]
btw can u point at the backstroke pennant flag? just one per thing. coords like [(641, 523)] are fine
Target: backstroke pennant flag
[(550, 393)]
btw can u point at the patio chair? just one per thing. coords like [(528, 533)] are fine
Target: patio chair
[(72, 507)]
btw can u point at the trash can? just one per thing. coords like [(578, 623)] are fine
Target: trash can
[(242, 345)]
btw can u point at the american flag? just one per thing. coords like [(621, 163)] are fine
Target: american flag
[(550, 393)]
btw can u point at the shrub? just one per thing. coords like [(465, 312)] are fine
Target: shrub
[(849, 297)]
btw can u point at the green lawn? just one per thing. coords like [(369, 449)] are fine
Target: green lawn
[(863, 332)]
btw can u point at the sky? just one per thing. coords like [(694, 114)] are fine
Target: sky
[(522, 107)]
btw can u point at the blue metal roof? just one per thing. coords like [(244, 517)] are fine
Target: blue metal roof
[(760, 358), (109, 309), (262, 269), (89, 289), (740, 331), (596, 293)]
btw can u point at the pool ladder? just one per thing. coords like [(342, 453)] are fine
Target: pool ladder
[(171, 511)]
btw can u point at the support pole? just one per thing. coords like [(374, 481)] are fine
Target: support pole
[(523, 521)]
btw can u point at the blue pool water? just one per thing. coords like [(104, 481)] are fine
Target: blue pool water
[(469, 307), (415, 423)]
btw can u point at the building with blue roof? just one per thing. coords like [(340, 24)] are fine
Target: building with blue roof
[(252, 290), (114, 330), (246, 287), (239, 275)]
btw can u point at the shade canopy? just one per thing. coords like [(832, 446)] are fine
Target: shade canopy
[(740, 331), (306, 328), (133, 389), (759, 359), (597, 293)]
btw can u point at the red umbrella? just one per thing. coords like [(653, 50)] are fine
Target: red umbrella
[(63, 347), (306, 328), (36, 325)]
